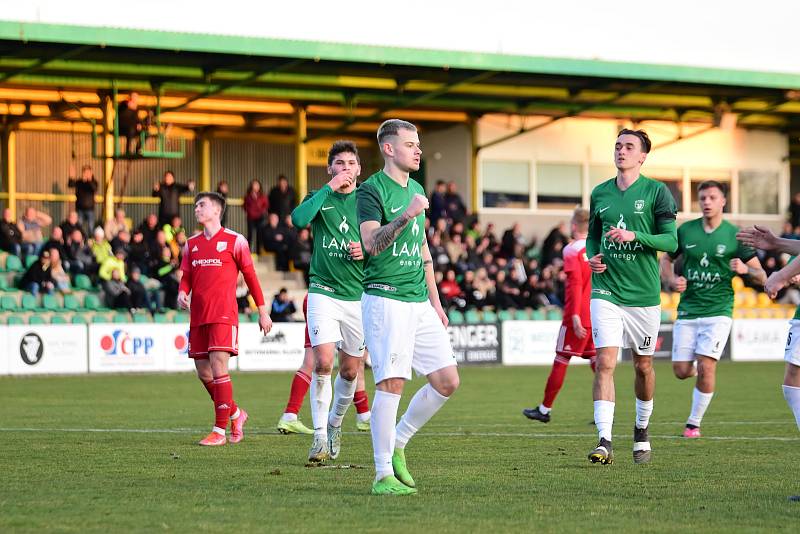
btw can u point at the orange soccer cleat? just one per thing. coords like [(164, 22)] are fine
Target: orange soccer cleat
[(237, 426), (213, 440)]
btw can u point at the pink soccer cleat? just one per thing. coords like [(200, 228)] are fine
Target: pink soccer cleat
[(691, 432), (237, 427), (213, 440)]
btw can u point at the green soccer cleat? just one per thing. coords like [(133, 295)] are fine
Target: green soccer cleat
[(293, 427), (363, 426), (391, 486), (400, 469)]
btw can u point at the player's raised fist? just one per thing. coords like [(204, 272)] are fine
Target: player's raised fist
[(418, 204), (343, 179)]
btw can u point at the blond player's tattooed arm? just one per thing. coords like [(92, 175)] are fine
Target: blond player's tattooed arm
[(377, 238)]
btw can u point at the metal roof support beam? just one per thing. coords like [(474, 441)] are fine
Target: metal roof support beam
[(39, 63)]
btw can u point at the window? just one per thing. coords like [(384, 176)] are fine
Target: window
[(506, 184), (599, 174), (758, 192), (673, 179), (558, 185), (700, 176)]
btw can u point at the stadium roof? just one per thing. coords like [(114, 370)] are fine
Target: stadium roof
[(253, 83)]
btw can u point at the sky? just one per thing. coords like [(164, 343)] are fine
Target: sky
[(753, 36)]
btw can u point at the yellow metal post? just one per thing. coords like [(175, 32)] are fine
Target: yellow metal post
[(108, 167), (473, 165), (300, 161), (10, 170), (205, 163)]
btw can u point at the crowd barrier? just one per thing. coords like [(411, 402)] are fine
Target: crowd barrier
[(123, 348)]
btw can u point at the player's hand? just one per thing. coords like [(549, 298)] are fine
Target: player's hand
[(157, 187), (343, 179), (775, 283), (264, 322), (440, 312), (596, 264), (758, 237), (191, 185), (679, 284), (795, 280), (738, 266), (356, 251), (418, 204), (580, 331), (183, 300), (618, 235)]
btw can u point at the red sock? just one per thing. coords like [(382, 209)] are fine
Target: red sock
[(555, 380), (223, 400), (593, 363), (210, 388), (361, 401), (300, 385)]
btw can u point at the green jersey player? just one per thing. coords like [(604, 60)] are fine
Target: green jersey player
[(631, 218), (711, 257), (404, 323), (334, 296)]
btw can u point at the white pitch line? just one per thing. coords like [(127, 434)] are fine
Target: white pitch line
[(424, 434)]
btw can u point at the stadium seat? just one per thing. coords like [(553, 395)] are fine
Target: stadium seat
[(142, 318), (763, 300), (521, 315), (8, 303), (78, 319), (15, 319), (58, 318), (161, 318), (3, 282), (36, 319), (71, 302), (49, 302), (13, 263), (665, 316), (101, 318), (456, 317), (489, 316), (538, 315), (30, 260), (181, 317), (737, 283), (504, 315), (83, 282), (555, 314), (91, 302), (666, 300), (472, 317), (28, 302), (122, 317)]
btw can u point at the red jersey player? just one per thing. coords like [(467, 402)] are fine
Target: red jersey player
[(575, 337), (211, 264)]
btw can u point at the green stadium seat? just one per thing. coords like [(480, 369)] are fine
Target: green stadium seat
[(50, 302), (8, 303), (504, 315), (28, 302), (30, 260), (142, 318), (538, 315), (245, 318), (101, 318), (181, 317), (78, 319), (92, 302), (122, 317), (555, 314), (162, 318), (456, 317), (71, 302), (83, 282), (472, 317), (15, 319), (58, 318), (3, 283), (521, 315), (36, 319), (13, 263), (489, 316)]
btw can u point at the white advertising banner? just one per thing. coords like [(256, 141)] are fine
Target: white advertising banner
[(529, 342), (46, 349), (280, 350), (4, 358), (115, 348), (173, 340), (758, 339)]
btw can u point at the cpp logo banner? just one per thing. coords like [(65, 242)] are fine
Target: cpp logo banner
[(125, 347)]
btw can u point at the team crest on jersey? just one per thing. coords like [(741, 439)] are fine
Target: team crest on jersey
[(638, 205), (720, 249), (222, 245)]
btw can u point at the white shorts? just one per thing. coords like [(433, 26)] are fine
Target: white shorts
[(402, 336), (792, 352), (704, 336), (631, 327), (335, 321)]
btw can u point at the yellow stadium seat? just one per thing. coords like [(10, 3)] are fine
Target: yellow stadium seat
[(751, 313), (763, 300), (738, 313), (738, 299), (666, 300), (764, 313), (737, 283), (676, 299)]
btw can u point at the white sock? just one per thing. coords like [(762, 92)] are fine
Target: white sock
[(289, 417), (343, 391), (604, 418), (218, 430), (644, 409), (700, 402), (236, 414), (320, 403), (363, 417), (544, 409), (384, 418), (792, 396), (423, 405)]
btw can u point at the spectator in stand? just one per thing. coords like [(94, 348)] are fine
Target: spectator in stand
[(32, 236), (157, 252), (129, 124), (140, 296), (57, 273), (167, 274), (532, 295), (507, 294), (80, 257), (440, 229), (547, 284), (116, 262), (172, 229), (276, 239), (282, 307), (483, 289), (789, 231), (224, 190), (139, 255), (123, 241), (101, 248), (455, 249), (117, 224), (438, 206), (441, 260), (282, 198), (554, 243), (177, 244), (301, 252), (71, 223), (38, 277), (149, 228), (489, 234), (242, 294), (511, 239), (451, 291), (169, 193), (56, 241), (255, 208), (10, 234), (85, 189), (794, 210), (454, 204), (475, 230), (118, 296)]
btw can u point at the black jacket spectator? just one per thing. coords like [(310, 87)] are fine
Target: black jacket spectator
[(85, 189), (38, 275), (10, 234), (70, 224), (438, 204), (454, 205), (169, 192), (282, 198), (278, 239)]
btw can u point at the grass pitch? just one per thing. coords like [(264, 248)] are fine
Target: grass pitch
[(118, 454)]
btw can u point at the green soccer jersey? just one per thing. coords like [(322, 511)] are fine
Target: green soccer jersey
[(397, 271), (333, 222), (706, 267), (647, 209)]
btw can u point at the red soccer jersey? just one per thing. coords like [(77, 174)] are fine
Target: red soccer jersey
[(578, 288), (210, 269)]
